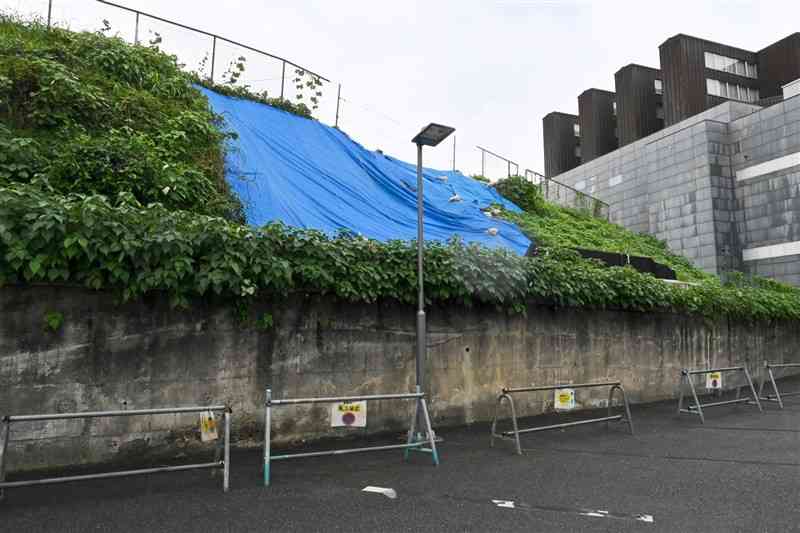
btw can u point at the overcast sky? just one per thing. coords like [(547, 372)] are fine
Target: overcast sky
[(491, 69)]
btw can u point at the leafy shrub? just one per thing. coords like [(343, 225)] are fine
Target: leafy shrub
[(523, 193), (87, 239), (93, 114)]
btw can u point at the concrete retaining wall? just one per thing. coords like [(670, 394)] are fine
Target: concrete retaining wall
[(144, 354)]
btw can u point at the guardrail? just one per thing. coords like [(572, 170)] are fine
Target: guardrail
[(507, 161), (413, 443), (515, 431), (778, 395), (224, 462), (697, 408)]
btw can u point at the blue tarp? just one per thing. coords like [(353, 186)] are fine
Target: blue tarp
[(309, 175)]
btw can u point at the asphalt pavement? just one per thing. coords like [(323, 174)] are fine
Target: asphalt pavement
[(738, 472)]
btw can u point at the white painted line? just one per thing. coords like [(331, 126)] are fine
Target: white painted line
[(599, 514), (774, 250), (616, 180), (504, 503), (595, 513), (773, 165), (389, 493)]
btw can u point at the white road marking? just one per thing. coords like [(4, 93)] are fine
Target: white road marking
[(389, 493)]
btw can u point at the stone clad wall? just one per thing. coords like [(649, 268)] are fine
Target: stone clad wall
[(143, 354)]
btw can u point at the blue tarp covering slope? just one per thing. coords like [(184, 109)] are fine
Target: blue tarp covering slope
[(306, 174)]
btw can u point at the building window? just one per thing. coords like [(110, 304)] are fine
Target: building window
[(731, 91), (576, 128), (614, 107), (658, 86), (729, 64)]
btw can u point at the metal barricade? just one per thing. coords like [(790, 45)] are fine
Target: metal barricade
[(769, 374), (697, 408), (219, 462), (515, 431), (413, 442)]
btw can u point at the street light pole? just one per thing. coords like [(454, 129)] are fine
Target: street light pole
[(421, 344), (431, 135)]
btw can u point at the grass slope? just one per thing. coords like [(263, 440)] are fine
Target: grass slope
[(553, 226)]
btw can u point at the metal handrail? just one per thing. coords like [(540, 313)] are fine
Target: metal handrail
[(778, 397), (686, 371), (413, 443), (290, 401), (514, 433), (697, 408), (509, 162), (222, 456), (214, 35), (103, 414), (562, 386)]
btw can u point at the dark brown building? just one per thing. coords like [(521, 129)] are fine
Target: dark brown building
[(699, 74), (640, 105), (695, 75), (562, 149), (779, 64), (598, 123)]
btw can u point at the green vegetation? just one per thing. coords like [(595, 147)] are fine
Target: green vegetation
[(135, 249), (111, 177), (552, 226), (53, 321), (92, 114)]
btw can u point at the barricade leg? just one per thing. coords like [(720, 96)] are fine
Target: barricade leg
[(267, 436), (431, 435), (628, 419), (412, 430), (219, 454), (513, 421), (5, 430), (752, 389), (226, 474), (494, 422), (774, 387), (696, 399), (680, 393)]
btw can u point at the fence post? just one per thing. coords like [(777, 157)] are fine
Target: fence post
[(283, 79), (338, 99), (267, 436), (213, 56), (5, 429), (226, 475)]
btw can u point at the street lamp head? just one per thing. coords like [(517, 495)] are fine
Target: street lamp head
[(432, 134)]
